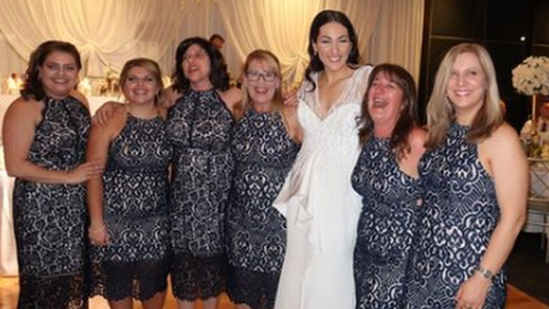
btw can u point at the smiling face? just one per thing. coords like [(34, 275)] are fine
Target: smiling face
[(59, 74), (333, 46), (196, 67), (140, 86), (385, 101), (261, 82), (466, 87)]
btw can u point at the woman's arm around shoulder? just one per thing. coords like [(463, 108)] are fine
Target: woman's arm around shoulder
[(292, 123), (105, 111), (416, 140), (99, 143), (168, 97), (232, 98)]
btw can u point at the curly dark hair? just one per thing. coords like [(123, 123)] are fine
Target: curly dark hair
[(408, 118), (219, 76), (322, 18), (32, 86)]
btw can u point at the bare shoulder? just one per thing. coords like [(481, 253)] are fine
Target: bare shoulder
[(418, 136), (162, 112), (417, 139), (116, 121), (503, 135), (232, 96), (289, 110), (25, 109), (168, 98), (503, 142), (81, 98)]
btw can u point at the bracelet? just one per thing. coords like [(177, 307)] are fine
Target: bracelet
[(97, 230), (486, 274)]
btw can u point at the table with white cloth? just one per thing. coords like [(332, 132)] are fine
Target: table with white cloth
[(538, 192), (8, 254)]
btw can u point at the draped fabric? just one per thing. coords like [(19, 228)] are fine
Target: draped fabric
[(108, 33)]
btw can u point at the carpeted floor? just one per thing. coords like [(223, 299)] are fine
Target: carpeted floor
[(527, 268)]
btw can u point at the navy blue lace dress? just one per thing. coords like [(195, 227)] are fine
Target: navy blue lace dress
[(386, 226), (455, 225), (264, 154), (50, 219), (135, 210), (200, 128)]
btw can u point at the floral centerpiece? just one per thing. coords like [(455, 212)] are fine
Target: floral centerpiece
[(531, 77)]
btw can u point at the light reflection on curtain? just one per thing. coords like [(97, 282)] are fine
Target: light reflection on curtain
[(110, 32), (106, 32)]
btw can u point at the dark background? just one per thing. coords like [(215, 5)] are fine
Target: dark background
[(498, 25)]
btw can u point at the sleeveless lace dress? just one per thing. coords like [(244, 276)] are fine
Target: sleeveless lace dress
[(264, 154), (136, 193), (320, 205), (50, 219), (455, 224), (386, 226), (200, 129)]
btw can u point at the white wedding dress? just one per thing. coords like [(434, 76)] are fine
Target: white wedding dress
[(320, 206)]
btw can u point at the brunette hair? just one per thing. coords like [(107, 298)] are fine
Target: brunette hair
[(219, 76), (32, 85), (408, 117), (322, 18)]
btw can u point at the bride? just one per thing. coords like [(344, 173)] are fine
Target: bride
[(317, 199)]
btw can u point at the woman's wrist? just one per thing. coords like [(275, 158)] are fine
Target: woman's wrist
[(96, 229), (485, 273)]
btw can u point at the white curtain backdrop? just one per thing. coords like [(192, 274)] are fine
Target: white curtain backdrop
[(108, 32)]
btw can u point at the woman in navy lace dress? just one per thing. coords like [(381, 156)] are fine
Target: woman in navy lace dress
[(45, 133), (129, 205), (475, 179), (265, 144), (200, 127), (386, 177)]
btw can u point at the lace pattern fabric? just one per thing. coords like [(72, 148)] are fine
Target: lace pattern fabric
[(264, 154), (197, 277), (386, 226), (200, 128), (136, 192), (455, 224), (140, 280), (64, 292), (255, 289), (50, 219)]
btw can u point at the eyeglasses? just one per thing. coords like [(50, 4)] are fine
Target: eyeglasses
[(254, 76)]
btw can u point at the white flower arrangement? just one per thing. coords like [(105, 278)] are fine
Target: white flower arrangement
[(532, 76)]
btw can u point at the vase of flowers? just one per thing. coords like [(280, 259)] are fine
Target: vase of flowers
[(531, 77)]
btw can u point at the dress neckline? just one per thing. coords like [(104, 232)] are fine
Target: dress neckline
[(337, 103)]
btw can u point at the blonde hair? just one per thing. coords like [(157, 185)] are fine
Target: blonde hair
[(151, 66), (273, 65), (440, 111)]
